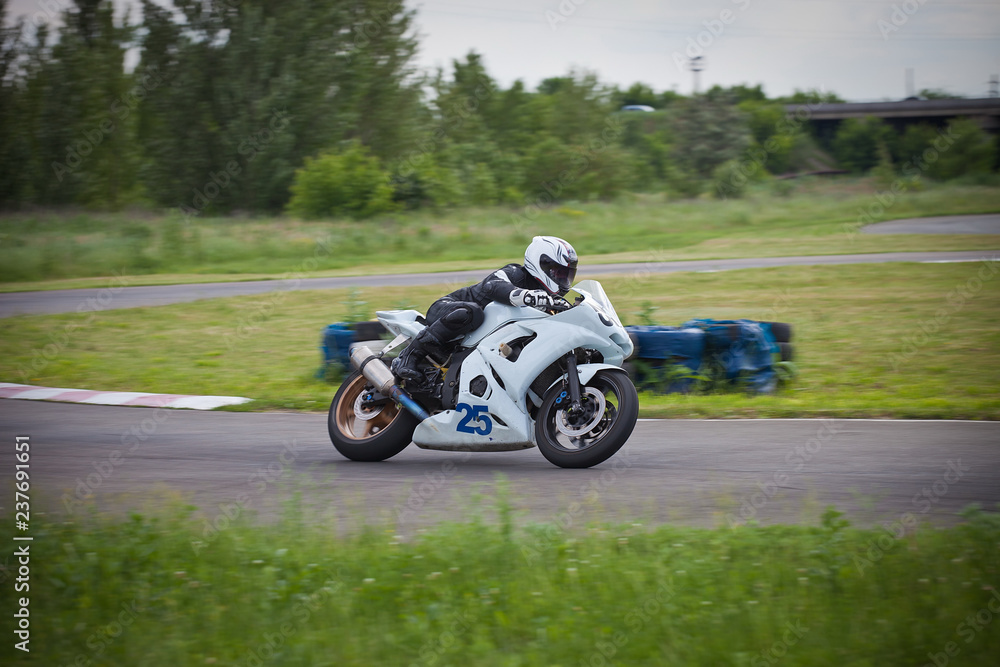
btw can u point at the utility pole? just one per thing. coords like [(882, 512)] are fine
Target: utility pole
[(696, 65), (994, 86)]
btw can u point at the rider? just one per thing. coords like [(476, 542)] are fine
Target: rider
[(548, 272)]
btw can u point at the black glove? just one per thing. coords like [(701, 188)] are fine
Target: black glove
[(561, 305), (532, 298)]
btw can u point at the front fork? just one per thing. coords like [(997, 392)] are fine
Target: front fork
[(573, 382)]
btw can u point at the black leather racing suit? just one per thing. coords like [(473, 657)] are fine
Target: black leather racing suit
[(460, 312)]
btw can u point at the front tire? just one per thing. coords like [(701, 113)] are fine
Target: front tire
[(611, 408), (367, 434)]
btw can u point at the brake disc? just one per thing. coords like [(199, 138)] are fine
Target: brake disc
[(363, 413), (597, 414)]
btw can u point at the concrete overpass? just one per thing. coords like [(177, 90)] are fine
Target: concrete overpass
[(985, 111)]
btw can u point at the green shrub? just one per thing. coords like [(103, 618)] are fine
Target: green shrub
[(972, 151), (550, 167), (351, 183), (613, 172), (856, 143), (731, 178), (682, 183), (707, 135), (481, 186), (962, 149), (885, 171)]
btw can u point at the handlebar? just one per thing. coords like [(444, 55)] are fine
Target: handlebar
[(562, 305)]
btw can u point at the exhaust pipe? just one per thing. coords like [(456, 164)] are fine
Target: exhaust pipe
[(376, 372), (373, 368)]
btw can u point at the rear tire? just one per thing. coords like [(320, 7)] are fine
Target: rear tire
[(782, 331), (601, 433), (367, 434)]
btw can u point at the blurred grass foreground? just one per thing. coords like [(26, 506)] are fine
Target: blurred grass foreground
[(176, 589)]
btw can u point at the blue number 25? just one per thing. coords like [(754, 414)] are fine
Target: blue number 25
[(474, 413)]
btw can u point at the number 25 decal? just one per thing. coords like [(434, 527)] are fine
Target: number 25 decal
[(474, 413)]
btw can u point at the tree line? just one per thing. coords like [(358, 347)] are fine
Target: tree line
[(215, 106)]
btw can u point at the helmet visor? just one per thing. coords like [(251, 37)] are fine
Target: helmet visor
[(560, 274)]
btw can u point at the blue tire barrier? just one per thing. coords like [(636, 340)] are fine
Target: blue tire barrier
[(336, 340)]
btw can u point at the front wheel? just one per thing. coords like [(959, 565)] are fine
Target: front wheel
[(609, 410), (363, 431)]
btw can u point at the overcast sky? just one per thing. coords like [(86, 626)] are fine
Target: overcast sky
[(838, 45), (859, 49)]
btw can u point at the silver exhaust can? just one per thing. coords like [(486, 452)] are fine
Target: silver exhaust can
[(373, 368)]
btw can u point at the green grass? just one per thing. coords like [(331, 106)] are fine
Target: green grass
[(852, 325), (169, 589), (59, 250)]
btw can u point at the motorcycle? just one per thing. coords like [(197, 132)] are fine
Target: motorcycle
[(524, 378)]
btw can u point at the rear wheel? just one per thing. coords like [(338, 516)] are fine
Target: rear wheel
[(363, 431), (782, 331), (610, 408)]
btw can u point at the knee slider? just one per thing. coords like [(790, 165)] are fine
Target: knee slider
[(464, 317), (458, 317)]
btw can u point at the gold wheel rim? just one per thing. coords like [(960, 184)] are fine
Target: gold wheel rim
[(361, 429)]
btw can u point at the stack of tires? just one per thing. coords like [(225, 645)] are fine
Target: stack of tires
[(744, 355), (339, 338), (782, 333), (666, 359)]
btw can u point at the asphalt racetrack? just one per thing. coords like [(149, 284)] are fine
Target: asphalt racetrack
[(116, 296), (703, 473), (946, 224)]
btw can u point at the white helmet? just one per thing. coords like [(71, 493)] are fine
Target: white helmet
[(553, 262)]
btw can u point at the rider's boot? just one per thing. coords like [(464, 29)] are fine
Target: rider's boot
[(405, 365)]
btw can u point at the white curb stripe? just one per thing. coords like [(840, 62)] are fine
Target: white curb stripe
[(40, 393), (132, 398), (206, 402), (112, 397)]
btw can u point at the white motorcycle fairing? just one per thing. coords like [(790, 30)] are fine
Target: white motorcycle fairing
[(498, 418)]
